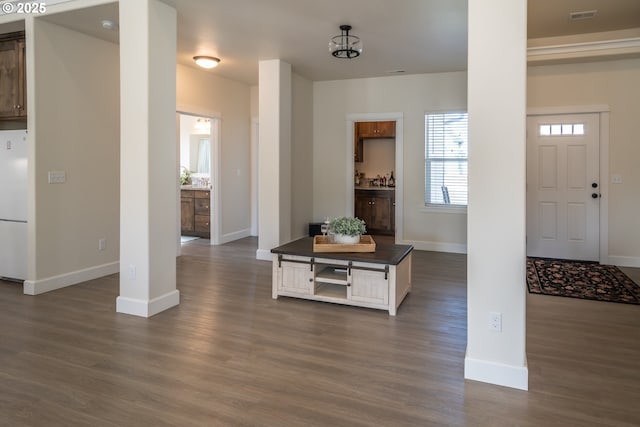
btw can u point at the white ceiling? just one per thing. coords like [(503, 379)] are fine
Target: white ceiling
[(417, 36)]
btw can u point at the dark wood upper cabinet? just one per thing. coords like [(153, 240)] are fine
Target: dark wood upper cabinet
[(12, 77), (376, 129), (367, 130)]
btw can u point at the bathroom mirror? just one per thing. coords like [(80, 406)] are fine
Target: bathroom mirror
[(195, 146), (200, 154)]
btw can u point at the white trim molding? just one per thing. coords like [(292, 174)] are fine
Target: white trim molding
[(144, 308), (623, 261), (264, 255), (496, 373), (454, 248), (40, 286), (582, 51), (230, 237), (568, 109)]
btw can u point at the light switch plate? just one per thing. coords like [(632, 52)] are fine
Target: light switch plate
[(57, 177), (616, 179)]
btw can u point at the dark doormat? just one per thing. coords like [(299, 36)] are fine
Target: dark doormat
[(580, 279)]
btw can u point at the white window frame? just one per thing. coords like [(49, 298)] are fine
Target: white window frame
[(441, 207)]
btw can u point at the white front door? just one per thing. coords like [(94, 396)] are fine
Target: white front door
[(563, 186)]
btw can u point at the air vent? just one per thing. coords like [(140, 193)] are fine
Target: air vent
[(580, 16)]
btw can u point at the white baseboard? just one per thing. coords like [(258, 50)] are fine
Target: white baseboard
[(455, 248), (624, 261), (264, 255), (144, 308), (35, 287), (236, 235), (496, 373)]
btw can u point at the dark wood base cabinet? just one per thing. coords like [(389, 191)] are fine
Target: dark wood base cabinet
[(377, 209), (195, 214)]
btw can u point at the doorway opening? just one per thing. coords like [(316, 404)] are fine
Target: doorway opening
[(396, 205), (374, 179), (199, 174)]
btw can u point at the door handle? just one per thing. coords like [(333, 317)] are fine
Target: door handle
[(595, 195), (594, 185)]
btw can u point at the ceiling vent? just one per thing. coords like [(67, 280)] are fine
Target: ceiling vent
[(581, 16)]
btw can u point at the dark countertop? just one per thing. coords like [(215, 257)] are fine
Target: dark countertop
[(373, 187), (195, 188), (385, 253)]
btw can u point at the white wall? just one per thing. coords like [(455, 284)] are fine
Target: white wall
[(379, 157), (74, 123), (616, 84), (411, 95), (203, 92), (301, 156)]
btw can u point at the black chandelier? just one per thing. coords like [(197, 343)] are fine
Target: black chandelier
[(345, 45)]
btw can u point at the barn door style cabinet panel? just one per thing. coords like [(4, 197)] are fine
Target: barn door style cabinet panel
[(378, 280), (12, 77)]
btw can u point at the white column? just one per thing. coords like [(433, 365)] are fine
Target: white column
[(148, 158), (274, 156), (496, 211)]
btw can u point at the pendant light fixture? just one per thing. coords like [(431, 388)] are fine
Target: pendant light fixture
[(345, 45)]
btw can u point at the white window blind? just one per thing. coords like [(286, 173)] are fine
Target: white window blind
[(446, 159)]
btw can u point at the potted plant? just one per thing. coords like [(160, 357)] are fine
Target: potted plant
[(347, 229), (185, 176)]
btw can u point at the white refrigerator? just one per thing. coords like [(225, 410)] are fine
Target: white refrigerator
[(13, 204)]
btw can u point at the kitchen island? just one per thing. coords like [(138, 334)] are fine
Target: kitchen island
[(379, 279)]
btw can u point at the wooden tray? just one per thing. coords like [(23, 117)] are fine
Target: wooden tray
[(322, 244)]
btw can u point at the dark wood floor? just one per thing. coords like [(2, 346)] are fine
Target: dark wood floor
[(231, 355)]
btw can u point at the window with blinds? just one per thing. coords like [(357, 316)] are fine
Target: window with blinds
[(446, 159)]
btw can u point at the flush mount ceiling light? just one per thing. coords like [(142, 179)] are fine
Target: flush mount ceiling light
[(109, 24), (345, 45), (206, 61)]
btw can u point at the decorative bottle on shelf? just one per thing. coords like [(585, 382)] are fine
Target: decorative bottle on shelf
[(392, 181)]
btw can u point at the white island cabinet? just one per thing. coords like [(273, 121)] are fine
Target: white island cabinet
[(378, 280)]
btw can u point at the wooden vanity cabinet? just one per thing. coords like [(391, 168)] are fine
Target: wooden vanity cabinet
[(377, 209), (12, 77), (187, 212), (195, 213)]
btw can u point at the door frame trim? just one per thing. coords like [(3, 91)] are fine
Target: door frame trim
[(603, 112), (216, 175), (399, 163)]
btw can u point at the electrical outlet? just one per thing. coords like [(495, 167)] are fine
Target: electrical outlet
[(495, 321), (132, 272), (102, 244), (616, 179)]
